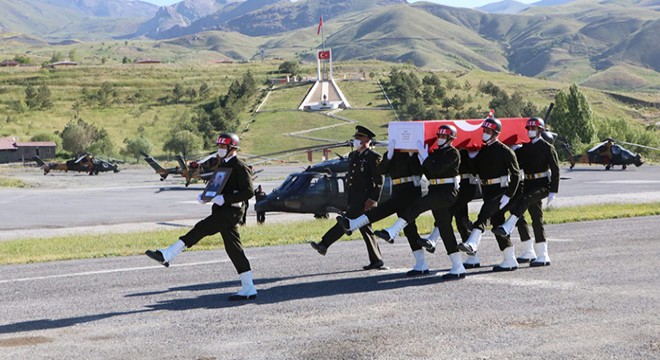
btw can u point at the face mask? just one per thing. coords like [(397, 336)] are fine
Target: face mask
[(531, 134), (485, 137), (357, 143), (441, 142), (222, 152)]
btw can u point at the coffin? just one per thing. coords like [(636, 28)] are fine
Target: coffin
[(407, 133)]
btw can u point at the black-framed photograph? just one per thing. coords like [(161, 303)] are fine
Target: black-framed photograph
[(216, 184)]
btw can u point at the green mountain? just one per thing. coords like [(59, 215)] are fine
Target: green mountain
[(567, 41)]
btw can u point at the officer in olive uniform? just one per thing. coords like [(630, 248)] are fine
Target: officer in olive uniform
[(226, 213), (441, 170), (364, 183), (538, 160), (498, 171), (406, 172)]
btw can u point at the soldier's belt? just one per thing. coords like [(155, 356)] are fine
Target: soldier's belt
[(472, 179), (502, 180), (451, 180), (404, 180), (545, 174)]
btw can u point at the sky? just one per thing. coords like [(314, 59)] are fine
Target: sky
[(456, 3)]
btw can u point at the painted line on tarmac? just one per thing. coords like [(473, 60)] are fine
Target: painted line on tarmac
[(100, 272)]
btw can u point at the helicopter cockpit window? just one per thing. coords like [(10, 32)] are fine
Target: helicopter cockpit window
[(318, 184), (288, 182)]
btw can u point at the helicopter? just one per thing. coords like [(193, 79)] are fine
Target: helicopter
[(319, 189), (85, 163), (203, 169), (606, 153)]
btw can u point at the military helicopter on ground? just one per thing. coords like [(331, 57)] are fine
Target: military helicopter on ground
[(319, 189), (203, 169), (200, 170), (85, 163), (607, 153)]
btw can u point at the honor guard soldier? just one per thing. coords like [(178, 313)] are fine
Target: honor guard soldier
[(226, 213), (498, 171), (538, 160), (441, 169), (406, 172), (466, 193), (364, 183)]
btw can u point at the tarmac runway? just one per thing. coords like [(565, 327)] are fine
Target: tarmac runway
[(598, 300), (133, 199)]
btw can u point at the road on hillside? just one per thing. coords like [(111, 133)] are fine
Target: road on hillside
[(598, 300)]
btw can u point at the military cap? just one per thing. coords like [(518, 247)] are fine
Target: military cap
[(363, 131)]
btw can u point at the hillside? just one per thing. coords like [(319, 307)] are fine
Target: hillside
[(65, 19), (142, 101), (562, 40)]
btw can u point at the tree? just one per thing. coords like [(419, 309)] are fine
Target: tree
[(31, 97), (102, 143), (105, 95), (572, 117), (72, 55), (204, 90), (191, 93), (57, 56), (77, 136), (178, 92), (182, 141), (136, 146), (44, 97), (289, 67)]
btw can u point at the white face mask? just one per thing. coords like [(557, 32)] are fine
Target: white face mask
[(441, 142), (222, 152), (531, 133), (357, 143), (485, 137)]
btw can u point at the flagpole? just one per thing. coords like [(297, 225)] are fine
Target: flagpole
[(322, 35)]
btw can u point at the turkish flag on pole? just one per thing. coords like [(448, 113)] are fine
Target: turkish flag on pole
[(324, 55), (318, 31)]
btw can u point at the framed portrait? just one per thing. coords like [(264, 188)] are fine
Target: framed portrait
[(216, 184)]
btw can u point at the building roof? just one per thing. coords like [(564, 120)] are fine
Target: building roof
[(10, 143)]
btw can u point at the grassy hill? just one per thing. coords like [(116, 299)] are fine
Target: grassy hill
[(268, 130)]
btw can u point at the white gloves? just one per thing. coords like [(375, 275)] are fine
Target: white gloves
[(472, 154), (199, 199), (218, 200), (503, 201), (390, 149), (551, 197), (422, 151)]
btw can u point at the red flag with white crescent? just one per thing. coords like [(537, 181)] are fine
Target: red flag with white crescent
[(324, 55)]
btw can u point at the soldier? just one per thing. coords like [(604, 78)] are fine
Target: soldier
[(441, 169), (406, 172), (498, 171), (538, 160), (459, 210), (364, 183), (226, 213), (260, 194)]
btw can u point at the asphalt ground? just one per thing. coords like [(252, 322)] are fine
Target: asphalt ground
[(61, 204), (598, 300)]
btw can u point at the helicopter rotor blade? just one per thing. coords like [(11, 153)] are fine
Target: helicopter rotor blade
[(639, 145)]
